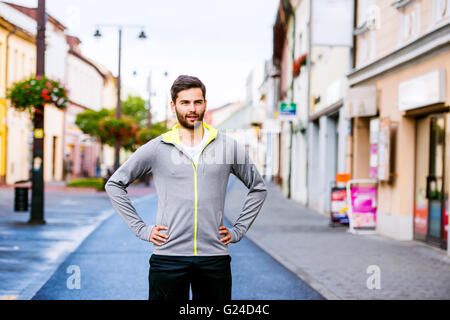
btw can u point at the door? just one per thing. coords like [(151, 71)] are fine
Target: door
[(435, 179), (430, 191)]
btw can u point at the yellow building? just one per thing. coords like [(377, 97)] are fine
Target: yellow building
[(17, 61)]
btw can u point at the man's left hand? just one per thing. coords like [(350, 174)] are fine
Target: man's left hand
[(227, 239)]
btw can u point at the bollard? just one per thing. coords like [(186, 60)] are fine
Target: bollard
[(21, 199)]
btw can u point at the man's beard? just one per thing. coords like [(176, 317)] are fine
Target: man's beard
[(184, 122)]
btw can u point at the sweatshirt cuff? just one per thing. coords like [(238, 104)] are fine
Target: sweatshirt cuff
[(235, 236), (147, 232)]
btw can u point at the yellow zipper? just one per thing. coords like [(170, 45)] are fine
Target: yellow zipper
[(195, 209), (196, 199)]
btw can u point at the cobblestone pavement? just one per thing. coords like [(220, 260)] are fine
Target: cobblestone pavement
[(335, 262)]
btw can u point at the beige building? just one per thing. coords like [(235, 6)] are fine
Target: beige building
[(400, 93)]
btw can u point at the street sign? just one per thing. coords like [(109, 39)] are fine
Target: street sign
[(287, 109)]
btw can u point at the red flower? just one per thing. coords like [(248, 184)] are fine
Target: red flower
[(44, 95), (38, 77)]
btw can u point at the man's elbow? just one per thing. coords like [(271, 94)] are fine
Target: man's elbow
[(264, 194), (109, 187)]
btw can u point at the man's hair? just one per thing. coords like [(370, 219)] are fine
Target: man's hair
[(184, 82)]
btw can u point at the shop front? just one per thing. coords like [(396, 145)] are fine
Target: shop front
[(401, 138), (432, 153)]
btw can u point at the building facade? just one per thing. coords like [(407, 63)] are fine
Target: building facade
[(400, 88), (290, 42), (85, 83)]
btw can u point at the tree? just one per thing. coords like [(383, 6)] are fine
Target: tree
[(134, 107), (88, 122), (130, 129)]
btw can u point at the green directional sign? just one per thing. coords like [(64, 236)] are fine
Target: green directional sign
[(288, 108)]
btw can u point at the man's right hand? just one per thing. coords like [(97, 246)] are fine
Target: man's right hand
[(157, 236)]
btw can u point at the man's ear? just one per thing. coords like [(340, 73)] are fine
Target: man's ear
[(172, 106)]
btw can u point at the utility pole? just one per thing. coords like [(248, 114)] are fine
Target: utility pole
[(149, 114), (149, 110), (166, 103), (37, 176), (119, 104), (291, 128)]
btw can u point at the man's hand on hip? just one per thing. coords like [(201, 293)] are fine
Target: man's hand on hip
[(227, 239), (156, 236)]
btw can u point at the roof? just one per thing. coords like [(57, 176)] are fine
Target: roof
[(279, 29), (88, 61), (8, 25), (73, 42), (32, 13)]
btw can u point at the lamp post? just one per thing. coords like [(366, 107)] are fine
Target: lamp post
[(141, 36), (37, 172), (166, 104)]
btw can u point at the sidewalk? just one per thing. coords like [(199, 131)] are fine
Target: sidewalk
[(30, 254), (333, 261)]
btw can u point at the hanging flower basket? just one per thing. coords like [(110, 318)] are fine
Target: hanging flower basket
[(298, 63), (123, 129), (32, 94)]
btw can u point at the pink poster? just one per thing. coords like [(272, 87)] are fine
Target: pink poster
[(364, 206)]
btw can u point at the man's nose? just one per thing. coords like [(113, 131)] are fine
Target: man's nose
[(191, 106)]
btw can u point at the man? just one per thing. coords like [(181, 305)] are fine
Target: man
[(191, 165), (67, 166)]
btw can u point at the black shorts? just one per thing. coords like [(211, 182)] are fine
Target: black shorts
[(170, 278)]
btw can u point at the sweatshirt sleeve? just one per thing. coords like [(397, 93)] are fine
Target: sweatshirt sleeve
[(140, 163), (244, 169)]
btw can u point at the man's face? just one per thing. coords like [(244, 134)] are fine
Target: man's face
[(190, 107)]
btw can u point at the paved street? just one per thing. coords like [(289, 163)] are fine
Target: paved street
[(113, 264), (290, 252)]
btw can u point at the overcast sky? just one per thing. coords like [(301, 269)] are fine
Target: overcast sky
[(218, 41)]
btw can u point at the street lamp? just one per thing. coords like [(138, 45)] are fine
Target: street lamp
[(141, 36), (37, 174)]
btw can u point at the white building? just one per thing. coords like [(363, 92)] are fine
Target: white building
[(55, 68)]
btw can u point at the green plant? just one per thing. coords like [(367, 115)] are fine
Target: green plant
[(96, 183)]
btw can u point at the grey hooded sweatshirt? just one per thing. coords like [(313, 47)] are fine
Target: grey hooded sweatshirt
[(191, 198)]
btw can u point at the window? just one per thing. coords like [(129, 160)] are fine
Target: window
[(409, 23), (441, 10), (365, 10)]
